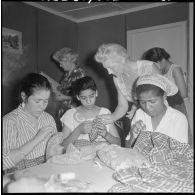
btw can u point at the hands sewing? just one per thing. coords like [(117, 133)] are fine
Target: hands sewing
[(131, 113), (101, 129), (107, 118), (44, 132), (85, 127), (135, 131), (137, 128)]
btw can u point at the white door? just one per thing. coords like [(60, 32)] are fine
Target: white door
[(172, 37)]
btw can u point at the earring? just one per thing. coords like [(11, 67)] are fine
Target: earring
[(166, 102), (23, 104)]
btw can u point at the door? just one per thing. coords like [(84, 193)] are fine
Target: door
[(172, 37)]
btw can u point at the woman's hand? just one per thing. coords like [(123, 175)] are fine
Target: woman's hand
[(107, 118), (55, 150), (131, 113), (44, 132), (101, 129), (85, 127), (137, 128)]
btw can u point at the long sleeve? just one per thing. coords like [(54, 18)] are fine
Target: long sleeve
[(9, 142)]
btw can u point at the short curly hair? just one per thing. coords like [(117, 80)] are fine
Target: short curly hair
[(65, 54), (111, 52)]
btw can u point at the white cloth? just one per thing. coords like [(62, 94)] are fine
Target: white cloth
[(174, 124), (169, 87), (72, 119), (125, 82)]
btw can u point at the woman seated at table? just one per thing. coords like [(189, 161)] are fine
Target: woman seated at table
[(27, 129), (78, 122), (154, 114)]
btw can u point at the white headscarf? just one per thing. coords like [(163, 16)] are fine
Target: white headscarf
[(160, 81)]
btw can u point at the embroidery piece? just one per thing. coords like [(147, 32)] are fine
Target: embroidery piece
[(94, 131)]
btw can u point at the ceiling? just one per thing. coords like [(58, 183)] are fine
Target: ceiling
[(86, 11)]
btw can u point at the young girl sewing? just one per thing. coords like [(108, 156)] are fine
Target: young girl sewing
[(79, 123)]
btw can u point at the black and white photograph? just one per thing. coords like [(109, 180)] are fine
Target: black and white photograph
[(97, 96)]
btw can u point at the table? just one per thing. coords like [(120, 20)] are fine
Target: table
[(100, 177)]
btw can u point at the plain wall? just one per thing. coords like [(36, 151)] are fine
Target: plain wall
[(20, 17), (54, 33), (91, 34)]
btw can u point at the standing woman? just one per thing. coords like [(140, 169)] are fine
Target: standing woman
[(115, 59), (173, 72), (27, 129)]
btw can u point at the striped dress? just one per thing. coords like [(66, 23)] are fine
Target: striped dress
[(18, 130)]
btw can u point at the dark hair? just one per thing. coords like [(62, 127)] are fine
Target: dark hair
[(79, 85), (156, 54), (148, 87), (82, 84), (34, 81)]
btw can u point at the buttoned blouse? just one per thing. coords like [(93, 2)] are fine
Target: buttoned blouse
[(18, 130)]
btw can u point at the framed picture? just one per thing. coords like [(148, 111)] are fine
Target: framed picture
[(12, 41)]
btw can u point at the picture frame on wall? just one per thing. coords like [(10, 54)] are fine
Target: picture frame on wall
[(12, 41)]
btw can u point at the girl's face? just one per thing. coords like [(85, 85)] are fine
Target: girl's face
[(87, 98), (37, 102), (150, 103)]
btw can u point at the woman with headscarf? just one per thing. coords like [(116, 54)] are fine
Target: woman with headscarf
[(154, 114)]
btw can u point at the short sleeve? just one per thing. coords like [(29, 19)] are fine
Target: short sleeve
[(104, 111), (144, 67), (67, 119), (181, 129)]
